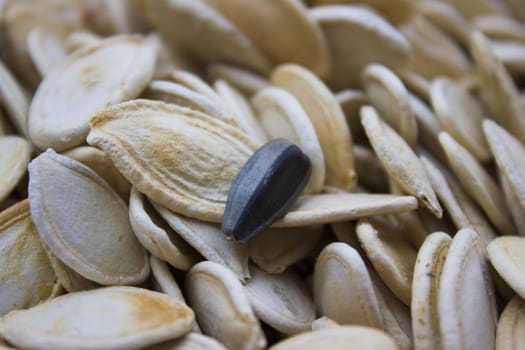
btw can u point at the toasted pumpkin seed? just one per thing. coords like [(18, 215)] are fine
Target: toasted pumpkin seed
[(400, 162), (125, 317), (345, 28), (165, 151), (511, 326), (94, 249), (425, 286), (282, 116), (222, 307), (478, 183), (342, 288), (390, 98), (87, 81), (327, 118), (26, 276), (466, 300), (15, 155)]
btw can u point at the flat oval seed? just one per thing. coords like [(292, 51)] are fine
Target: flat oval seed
[(14, 99), (392, 256), (328, 119), (281, 115), (178, 157), (400, 162), (345, 28), (283, 30), (478, 183), (497, 87), (425, 286), (466, 299), (461, 115), (462, 210), (274, 249), (156, 236), (511, 326), (339, 338), (191, 341), (282, 301), (26, 276), (115, 70), (222, 307), (208, 240), (333, 207), (14, 157), (246, 81), (93, 248), (388, 95), (264, 190), (509, 154), (163, 279), (506, 255), (105, 318), (343, 290)]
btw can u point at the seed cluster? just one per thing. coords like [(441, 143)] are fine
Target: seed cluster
[(366, 156)]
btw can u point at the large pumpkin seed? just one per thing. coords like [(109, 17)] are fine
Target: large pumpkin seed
[(94, 249), (511, 326), (26, 276), (180, 158), (222, 307), (86, 82), (15, 155), (466, 300), (105, 318), (505, 254)]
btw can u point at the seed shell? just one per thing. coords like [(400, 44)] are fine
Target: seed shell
[(178, 157), (105, 318), (511, 326), (265, 188)]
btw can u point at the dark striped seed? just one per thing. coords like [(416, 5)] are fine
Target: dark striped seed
[(268, 184)]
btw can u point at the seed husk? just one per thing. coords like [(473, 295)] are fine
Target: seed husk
[(392, 256), (505, 254), (478, 183), (209, 241), (466, 299), (339, 338), (26, 275), (222, 307), (398, 159), (165, 151), (387, 94), (246, 81), (14, 99), (345, 28), (94, 249), (126, 318), (15, 155), (265, 188), (511, 325), (290, 20), (282, 116), (342, 288), (327, 118), (281, 300), (157, 236), (86, 82), (425, 286)]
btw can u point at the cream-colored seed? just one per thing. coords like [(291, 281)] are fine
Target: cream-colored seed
[(152, 108)]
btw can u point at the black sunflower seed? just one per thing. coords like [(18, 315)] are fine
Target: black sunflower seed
[(264, 190)]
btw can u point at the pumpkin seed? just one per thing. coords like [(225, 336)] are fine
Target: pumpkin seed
[(506, 257), (246, 81), (94, 249), (466, 305), (511, 326), (15, 155), (165, 150), (88, 81), (125, 318), (222, 307)]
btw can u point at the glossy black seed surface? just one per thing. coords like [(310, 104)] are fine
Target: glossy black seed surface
[(268, 184)]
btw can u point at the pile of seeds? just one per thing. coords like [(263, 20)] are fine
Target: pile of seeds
[(125, 123)]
